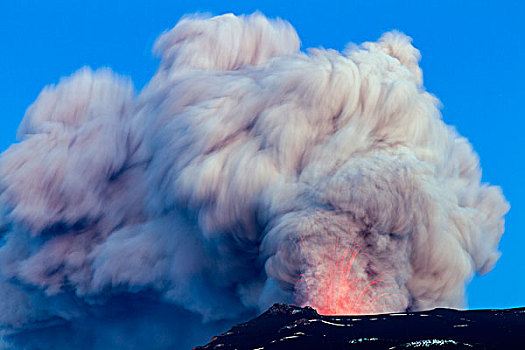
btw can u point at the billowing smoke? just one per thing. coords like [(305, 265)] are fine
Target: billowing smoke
[(246, 172)]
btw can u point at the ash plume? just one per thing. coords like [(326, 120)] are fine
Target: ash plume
[(246, 172)]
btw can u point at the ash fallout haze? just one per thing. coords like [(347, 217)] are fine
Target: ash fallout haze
[(272, 154)]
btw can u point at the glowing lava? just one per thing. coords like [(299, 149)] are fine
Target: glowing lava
[(341, 290)]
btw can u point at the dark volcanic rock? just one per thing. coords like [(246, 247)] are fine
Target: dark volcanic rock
[(291, 327)]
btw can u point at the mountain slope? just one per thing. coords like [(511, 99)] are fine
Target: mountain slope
[(290, 327)]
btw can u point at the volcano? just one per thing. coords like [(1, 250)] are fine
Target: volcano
[(291, 327), (248, 171)]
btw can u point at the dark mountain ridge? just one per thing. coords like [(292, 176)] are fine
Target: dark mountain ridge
[(291, 327)]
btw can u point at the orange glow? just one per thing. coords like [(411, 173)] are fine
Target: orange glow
[(340, 291)]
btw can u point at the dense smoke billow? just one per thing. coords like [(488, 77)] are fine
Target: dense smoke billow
[(246, 172)]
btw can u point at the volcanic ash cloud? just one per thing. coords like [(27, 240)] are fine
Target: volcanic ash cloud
[(245, 173)]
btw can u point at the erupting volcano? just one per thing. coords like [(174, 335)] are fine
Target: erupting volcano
[(246, 172)]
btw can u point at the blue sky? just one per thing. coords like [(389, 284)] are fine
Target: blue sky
[(473, 61)]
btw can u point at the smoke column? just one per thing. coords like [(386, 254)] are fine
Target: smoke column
[(246, 172)]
